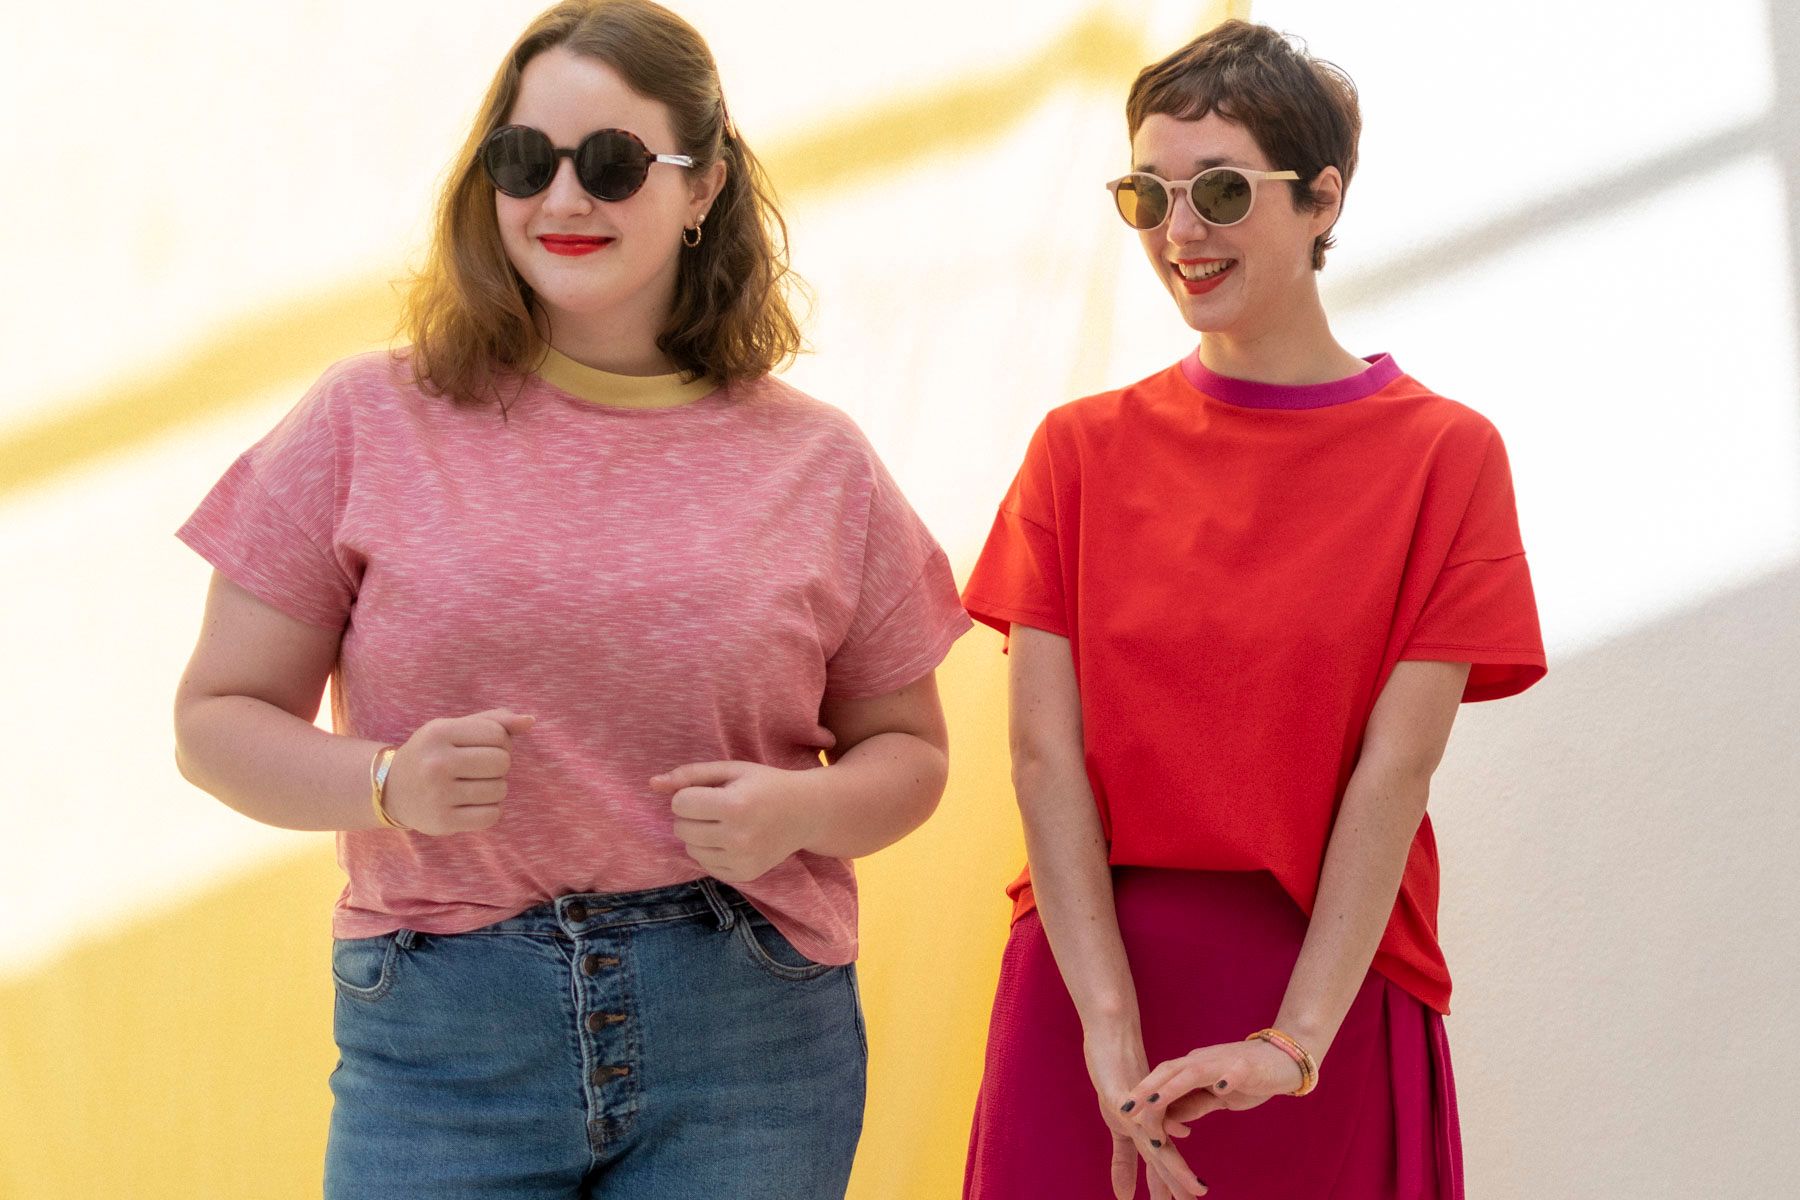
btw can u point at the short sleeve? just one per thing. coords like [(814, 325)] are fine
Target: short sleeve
[(1019, 577), (1481, 609), (907, 615), (268, 525)]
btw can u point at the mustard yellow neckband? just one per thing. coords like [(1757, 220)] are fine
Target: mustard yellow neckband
[(619, 391)]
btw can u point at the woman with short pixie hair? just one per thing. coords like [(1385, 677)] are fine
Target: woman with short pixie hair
[(1244, 598), (595, 591)]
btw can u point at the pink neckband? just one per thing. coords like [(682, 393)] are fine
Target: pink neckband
[(1246, 393)]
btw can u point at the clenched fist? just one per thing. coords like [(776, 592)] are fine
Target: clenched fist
[(739, 819), (450, 776)]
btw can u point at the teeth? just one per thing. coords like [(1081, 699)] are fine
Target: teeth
[(1203, 271)]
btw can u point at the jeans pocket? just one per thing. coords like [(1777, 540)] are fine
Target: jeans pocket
[(856, 1010), (772, 952), (363, 968)]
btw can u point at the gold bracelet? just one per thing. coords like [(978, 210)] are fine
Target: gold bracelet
[(1309, 1067), (378, 777)]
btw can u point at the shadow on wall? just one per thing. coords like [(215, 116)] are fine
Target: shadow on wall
[(1622, 907), (1784, 48)]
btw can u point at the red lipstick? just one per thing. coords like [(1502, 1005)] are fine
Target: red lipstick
[(1199, 287), (571, 246)]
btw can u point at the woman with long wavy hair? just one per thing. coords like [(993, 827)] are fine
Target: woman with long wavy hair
[(595, 592)]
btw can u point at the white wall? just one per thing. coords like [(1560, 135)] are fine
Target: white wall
[(1579, 218)]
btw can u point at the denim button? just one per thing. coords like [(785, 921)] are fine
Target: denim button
[(577, 912), (595, 1022), (590, 965)]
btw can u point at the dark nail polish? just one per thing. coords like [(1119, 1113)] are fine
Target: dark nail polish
[(1155, 1096), (1128, 1106), (1156, 1143)]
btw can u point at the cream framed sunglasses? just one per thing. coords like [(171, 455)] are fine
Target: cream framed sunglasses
[(1218, 195)]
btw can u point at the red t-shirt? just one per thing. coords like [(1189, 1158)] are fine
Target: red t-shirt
[(1238, 566)]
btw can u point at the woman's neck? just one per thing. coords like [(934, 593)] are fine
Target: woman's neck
[(1298, 352), (622, 343)]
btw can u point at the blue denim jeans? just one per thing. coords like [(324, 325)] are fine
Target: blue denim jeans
[(644, 1045)]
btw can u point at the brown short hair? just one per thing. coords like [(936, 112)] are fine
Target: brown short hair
[(468, 312), (1301, 110)]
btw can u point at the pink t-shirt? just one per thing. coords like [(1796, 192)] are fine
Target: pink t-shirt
[(658, 586)]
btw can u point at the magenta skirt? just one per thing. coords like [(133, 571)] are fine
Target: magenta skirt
[(1211, 953)]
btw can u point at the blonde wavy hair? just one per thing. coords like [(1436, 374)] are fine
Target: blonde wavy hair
[(468, 313)]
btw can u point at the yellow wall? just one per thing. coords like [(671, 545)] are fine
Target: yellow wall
[(184, 1053)]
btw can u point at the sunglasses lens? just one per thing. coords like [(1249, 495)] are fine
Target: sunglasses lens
[(612, 164), (1222, 196), (1142, 201), (518, 160)]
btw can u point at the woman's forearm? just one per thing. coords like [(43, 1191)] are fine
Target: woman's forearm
[(1366, 858), (1072, 882), (1363, 866), (273, 766), (1070, 872), (880, 790)]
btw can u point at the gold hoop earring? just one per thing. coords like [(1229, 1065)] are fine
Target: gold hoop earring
[(698, 233)]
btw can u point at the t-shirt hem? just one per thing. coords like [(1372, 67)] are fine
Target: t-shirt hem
[(223, 558), (1528, 666), (1002, 616), (913, 669), (350, 925), (363, 923), (1432, 993), (1490, 654)]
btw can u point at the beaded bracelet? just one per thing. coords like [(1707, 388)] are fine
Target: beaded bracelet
[(1309, 1068), (378, 777)]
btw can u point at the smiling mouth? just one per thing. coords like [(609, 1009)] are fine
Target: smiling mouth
[(1204, 270), (570, 245), (1199, 278)]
